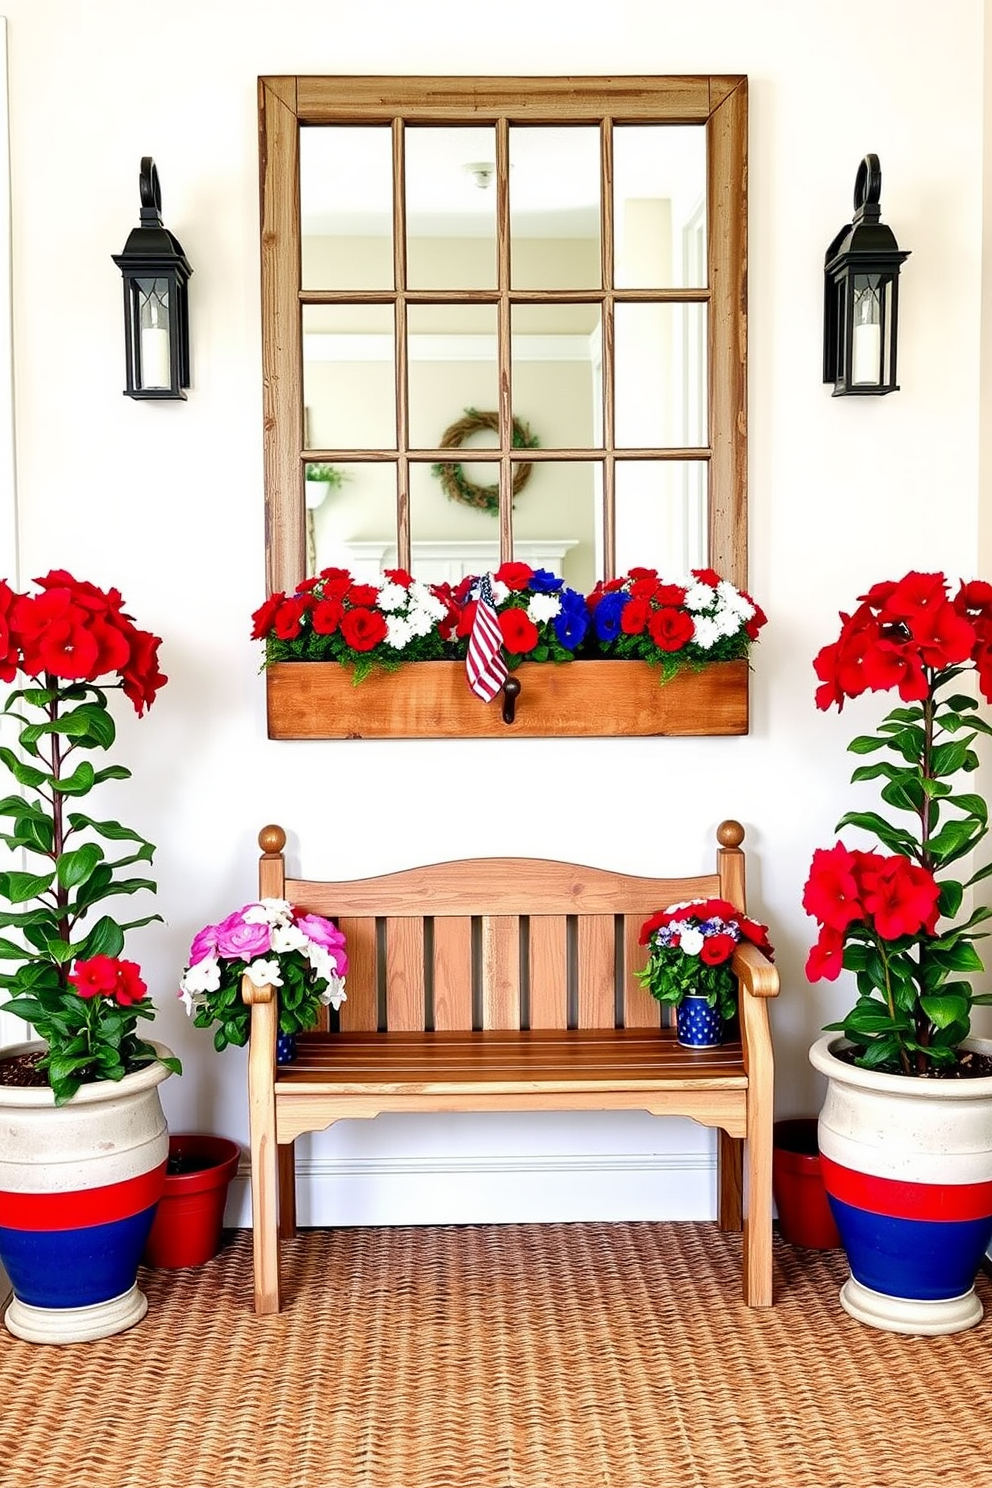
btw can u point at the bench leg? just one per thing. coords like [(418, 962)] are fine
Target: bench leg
[(264, 1158), (730, 1178), (758, 1216), (287, 1191)]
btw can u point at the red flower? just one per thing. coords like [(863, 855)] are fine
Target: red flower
[(669, 594), (831, 894), (399, 576), (142, 678), (363, 596), (900, 896), (644, 588), (9, 657), (362, 629), (67, 650), (826, 957), (288, 617), (717, 949), (466, 619), (326, 616), (130, 987), (96, 977), (634, 617), (265, 614), (706, 576), (671, 629), (515, 576), (520, 634)]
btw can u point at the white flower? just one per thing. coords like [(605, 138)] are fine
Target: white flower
[(421, 598), (699, 596), (691, 940), (391, 597), (421, 623), (190, 1001), (269, 912), (500, 591), (288, 938), (334, 994), (398, 631), (707, 632), (734, 599), (726, 621), (201, 978), (264, 973), (543, 607)]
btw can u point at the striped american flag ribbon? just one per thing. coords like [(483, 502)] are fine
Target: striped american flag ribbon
[(484, 664)]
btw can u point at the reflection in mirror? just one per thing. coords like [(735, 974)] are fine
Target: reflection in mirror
[(659, 206), (348, 376), (556, 361), (451, 207), (452, 366), (554, 208), (346, 207), (353, 520), (661, 515), (556, 522), (660, 376)]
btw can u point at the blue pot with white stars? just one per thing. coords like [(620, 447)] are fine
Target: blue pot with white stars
[(697, 1025), (285, 1048)]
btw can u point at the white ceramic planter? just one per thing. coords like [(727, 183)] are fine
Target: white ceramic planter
[(78, 1188), (907, 1165)]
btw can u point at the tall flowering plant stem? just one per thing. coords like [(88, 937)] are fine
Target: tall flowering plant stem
[(890, 916), (68, 646)]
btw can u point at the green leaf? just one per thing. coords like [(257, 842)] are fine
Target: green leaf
[(954, 839), (951, 894), (19, 887), (866, 744), (972, 805), (112, 772), (948, 759), (76, 866), (105, 939), (943, 1011), (112, 830), (895, 838), (905, 793), (89, 724), (79, 782), (22, 773)]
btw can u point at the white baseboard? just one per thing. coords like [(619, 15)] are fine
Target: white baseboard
[(493, 1190)]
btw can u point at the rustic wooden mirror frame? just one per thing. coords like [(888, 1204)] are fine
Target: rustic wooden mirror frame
[(430, 699)]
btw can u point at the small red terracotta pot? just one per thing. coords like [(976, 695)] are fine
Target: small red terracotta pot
[(189, 1219), (804, 1214)]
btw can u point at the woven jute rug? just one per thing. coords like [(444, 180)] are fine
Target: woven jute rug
[(501, 1356)]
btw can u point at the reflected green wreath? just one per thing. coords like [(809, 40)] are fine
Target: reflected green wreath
[(452, 477)]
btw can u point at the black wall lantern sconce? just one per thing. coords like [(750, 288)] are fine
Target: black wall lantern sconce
[(861, 296), (156, 306)]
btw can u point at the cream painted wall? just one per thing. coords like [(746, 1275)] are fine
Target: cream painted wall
[(166, 501)]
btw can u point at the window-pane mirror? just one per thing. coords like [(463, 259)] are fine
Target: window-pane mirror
[(563, 263)]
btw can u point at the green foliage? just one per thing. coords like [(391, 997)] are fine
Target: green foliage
[(72, 869)]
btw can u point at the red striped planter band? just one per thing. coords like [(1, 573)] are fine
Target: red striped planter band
[(82, 1208), (927, 1201)]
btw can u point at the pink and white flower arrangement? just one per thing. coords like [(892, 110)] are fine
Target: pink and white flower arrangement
[(274, 945)]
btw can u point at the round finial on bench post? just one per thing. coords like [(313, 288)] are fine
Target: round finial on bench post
[(730, 834), (272, 840)]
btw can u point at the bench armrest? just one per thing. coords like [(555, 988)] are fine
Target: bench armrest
[(755, 972), (253, 995)]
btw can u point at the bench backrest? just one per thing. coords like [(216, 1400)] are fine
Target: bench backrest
[(497, 942)]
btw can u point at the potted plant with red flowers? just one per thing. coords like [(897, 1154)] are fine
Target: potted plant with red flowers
[(690, 947), (84, 1102), (904, 1133)]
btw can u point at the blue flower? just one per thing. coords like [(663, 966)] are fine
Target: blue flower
[(608, 612), (543, 582), (571, 624)]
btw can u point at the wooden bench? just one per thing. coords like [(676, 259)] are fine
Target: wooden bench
[(507, 984)]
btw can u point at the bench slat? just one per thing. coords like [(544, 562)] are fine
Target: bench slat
[(548, 971), (405, 974), (360, 1010), (452, 972), (640, 1009), (597, 971), (501, 971)]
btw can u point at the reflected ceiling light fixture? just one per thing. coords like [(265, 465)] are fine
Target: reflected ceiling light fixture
[(861, 296), (156, 307), (482, 172)]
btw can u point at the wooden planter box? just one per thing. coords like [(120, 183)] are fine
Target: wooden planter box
[(431, 699)]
